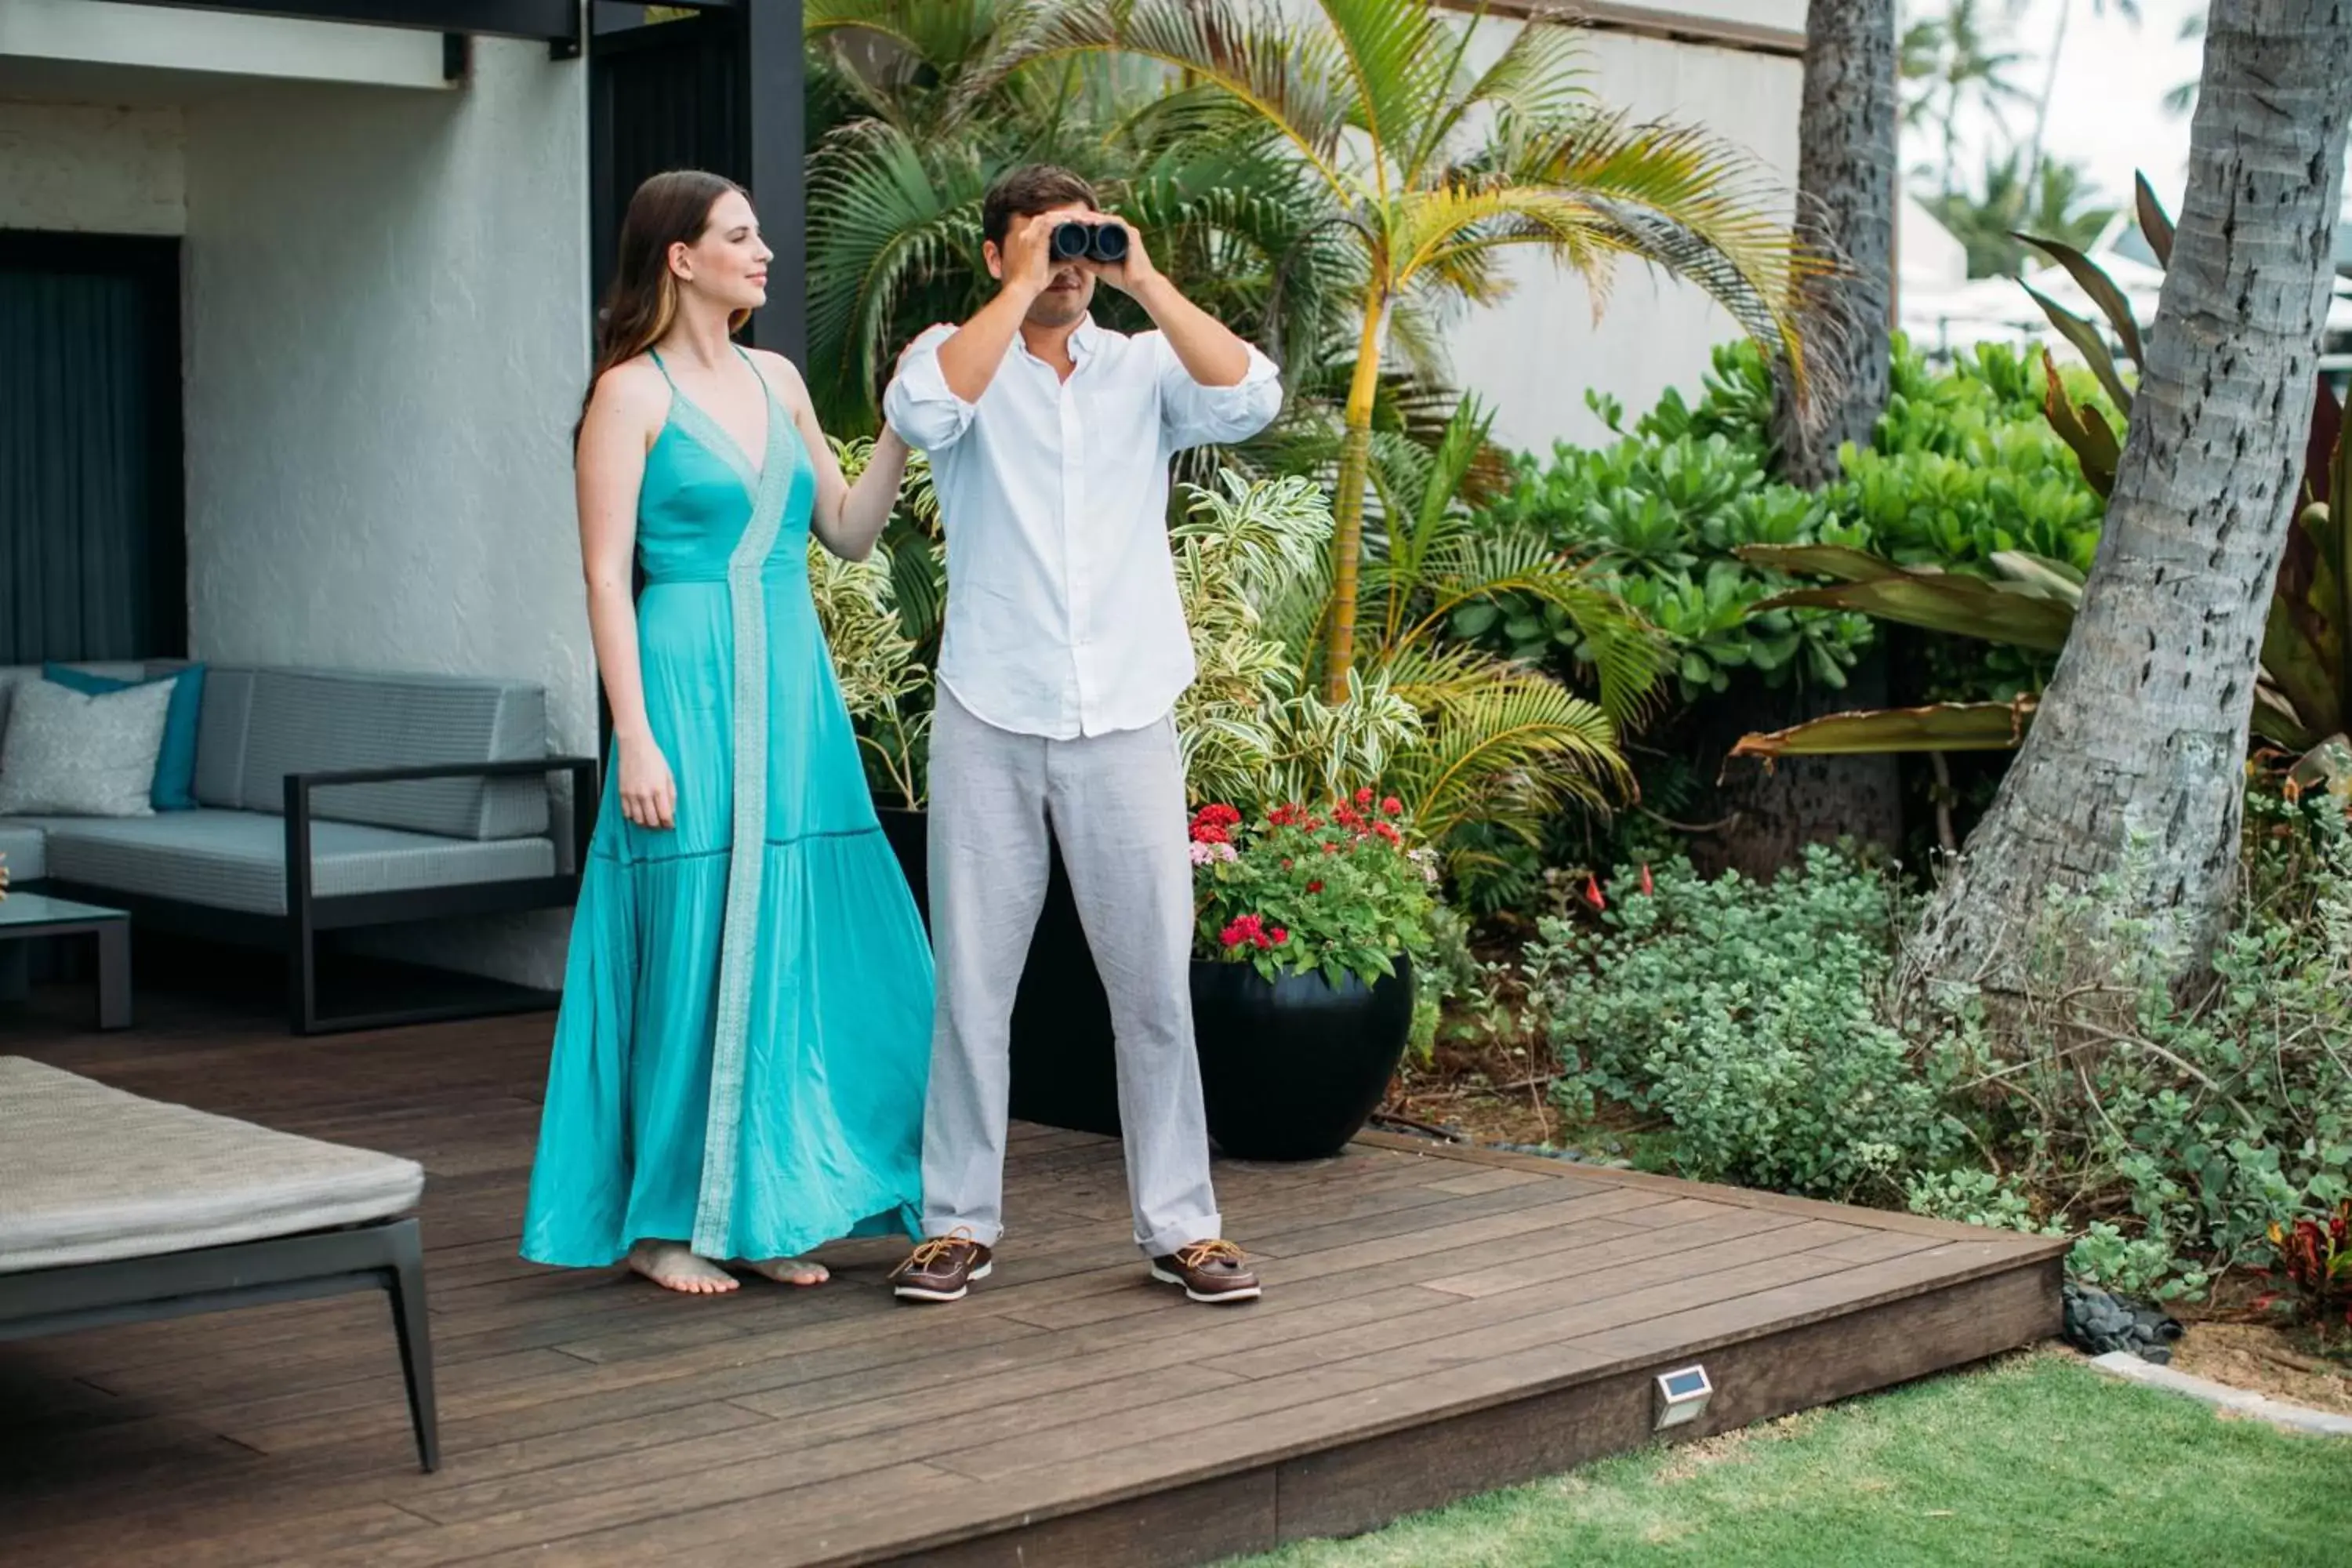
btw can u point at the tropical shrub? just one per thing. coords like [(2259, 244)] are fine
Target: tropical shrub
[(1746, 1031), (1747, 1020)]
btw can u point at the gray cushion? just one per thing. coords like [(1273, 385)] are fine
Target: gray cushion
[(89, 1174), (236, 859), (10, 674), (22, 842), (261, 725), (67, 751)]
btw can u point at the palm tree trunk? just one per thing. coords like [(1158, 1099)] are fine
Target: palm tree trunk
[(1847, 187), (2142, 734), (1348, 504)]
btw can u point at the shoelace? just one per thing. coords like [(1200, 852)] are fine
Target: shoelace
[(935, 1250), (1202, 1255)]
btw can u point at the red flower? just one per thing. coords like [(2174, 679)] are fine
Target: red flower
[(1592, 894), (1286, 862), (1280, 935), (1315, 822), (1388, 832), (1647, 886), (1315, 886), (1364, 796), (1210, 833), (1329, 849), (1245, 927), (1392, 806)]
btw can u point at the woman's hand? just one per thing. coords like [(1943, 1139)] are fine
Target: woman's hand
[(648, 794)]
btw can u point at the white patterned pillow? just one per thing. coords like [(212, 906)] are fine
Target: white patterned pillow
[(70, 754)]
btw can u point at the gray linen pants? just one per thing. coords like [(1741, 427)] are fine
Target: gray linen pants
[(1116, 804)]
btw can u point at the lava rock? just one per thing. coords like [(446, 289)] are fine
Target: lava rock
[(2096, 1323)]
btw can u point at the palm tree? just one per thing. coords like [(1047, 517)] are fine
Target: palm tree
[(1956, 64), (2136, 756), (1428, 168), (1848, 182), (2127, 10), (2061, 205), (915, 111)]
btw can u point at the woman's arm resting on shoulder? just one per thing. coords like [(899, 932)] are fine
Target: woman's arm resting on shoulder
[(847, 517)]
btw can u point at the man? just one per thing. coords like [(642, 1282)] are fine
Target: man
[(1063, 653)]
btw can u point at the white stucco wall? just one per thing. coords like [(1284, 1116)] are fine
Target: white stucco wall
[(387, 335), (104, 32), (93, 170), (1535, 355)]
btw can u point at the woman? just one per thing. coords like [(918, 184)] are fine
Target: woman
[(741, 1058)]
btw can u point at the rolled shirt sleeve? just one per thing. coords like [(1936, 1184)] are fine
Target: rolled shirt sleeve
[(919, 405), (1193, 415)]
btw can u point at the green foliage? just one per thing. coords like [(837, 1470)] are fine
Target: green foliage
[(1965, 466), (1745, 1018), (1657, 517), (1751, 1031), (1332, 891)]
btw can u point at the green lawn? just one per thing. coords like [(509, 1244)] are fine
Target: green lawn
[(2037, 1460)]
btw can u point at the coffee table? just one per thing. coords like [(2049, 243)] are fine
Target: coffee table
[(26, 916)]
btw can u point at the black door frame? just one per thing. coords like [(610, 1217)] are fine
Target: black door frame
[(762, 42), (152, 262)]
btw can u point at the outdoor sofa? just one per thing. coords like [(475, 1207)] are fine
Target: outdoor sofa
[(326, 800), (115, 1208)]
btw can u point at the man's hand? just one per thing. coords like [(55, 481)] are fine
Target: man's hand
[(1028, 258), (1136, 273)]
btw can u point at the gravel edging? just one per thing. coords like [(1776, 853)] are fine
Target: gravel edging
[(2130, 1368)]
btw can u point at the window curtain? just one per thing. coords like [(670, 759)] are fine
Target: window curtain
[(78, 479)]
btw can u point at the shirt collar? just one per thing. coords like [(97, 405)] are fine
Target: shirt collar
[(1085, 337)]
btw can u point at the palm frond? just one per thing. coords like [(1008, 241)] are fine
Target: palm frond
[(1297, 79)]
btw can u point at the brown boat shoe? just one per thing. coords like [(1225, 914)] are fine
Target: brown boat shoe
[(1216, 1272), (941, 1269)]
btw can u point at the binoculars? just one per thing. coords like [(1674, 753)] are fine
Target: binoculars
[(1076, 241)]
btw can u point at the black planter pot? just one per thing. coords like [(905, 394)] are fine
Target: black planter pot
[(1292, 1068), (1063, 1067)]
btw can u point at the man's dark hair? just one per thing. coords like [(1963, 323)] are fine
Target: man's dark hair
[(1027, 190)]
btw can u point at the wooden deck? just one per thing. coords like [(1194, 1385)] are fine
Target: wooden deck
[(1436, 1323)]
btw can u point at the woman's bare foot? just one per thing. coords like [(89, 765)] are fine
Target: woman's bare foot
[(672, 1266), (790, 1270)]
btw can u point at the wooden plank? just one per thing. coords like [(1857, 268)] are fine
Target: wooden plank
[(1803, 1208)]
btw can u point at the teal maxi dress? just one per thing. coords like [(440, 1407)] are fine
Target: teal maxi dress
[(744, 1038)]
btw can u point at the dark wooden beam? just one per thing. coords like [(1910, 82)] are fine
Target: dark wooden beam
[(776, 126), (1653, 21), (555, 23)]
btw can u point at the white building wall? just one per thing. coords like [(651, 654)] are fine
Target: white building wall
[(93, 170), (387, 335), (1536, 356)]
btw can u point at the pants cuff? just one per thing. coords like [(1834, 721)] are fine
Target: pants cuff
[(938, 1230), (1189, 1233)]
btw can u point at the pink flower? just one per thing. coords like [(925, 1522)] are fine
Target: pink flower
[(1647, 886), (1205, 853)]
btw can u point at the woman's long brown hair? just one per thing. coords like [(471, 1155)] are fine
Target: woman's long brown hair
[(671, 209)]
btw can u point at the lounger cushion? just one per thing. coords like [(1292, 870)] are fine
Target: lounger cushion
[(89, 1174), (236, 859)]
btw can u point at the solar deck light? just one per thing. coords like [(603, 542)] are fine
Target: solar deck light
[(1681, 1396)]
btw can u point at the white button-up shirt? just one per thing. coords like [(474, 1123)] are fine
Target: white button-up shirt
[(1063, 617)]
